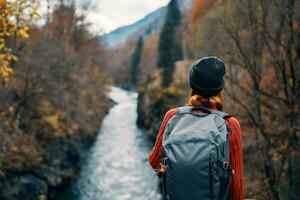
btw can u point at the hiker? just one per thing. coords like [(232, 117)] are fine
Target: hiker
[(198, 150)]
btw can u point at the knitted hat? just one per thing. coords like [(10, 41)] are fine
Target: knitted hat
[(207, 76)]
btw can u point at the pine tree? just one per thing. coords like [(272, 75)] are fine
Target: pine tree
[(135, 62), (169, 47)]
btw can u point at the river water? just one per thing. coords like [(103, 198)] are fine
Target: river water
[(116, 166)]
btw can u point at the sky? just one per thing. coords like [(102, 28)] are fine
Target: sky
[(107, 15)]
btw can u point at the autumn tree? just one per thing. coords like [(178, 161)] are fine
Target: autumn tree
[(260, 42), (15, 18), (169, 47), (200, 7), (57, 92), (264, 36)]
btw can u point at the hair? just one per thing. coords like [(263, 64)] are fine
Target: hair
[(213, 102)]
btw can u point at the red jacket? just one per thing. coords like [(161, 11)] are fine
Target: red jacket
[(236, 155)]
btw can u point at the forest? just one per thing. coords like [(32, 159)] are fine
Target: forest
[(55, 77), (259, 41), (52, 97)]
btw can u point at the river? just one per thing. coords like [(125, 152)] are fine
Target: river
[(116, 166)]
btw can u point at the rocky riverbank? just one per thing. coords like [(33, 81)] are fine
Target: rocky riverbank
[(59, 165)]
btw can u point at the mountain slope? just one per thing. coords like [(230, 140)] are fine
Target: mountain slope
[(150, 24), (146, 26)]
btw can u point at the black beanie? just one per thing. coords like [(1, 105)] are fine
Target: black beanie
[(207, 76)]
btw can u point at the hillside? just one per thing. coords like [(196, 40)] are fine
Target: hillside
[(51, 103), (256, 84), (121, 43), (146, 26)]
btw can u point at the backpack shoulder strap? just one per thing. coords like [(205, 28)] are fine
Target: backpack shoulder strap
[(190, 109), (184, 109), (222, 114)]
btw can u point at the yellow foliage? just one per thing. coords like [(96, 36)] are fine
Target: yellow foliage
[(169, 91), (14, 149), (15, 16), (23, 33), (2, 173), (11, 109), (42, 197), (53, 120)]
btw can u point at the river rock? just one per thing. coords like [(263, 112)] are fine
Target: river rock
[(54, 175), (23, 187)]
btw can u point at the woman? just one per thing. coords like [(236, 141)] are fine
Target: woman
[(207, 82)]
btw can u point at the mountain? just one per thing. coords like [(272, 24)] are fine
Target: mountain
[(185, 6), (150, 24), (146, 26), (121, 44)]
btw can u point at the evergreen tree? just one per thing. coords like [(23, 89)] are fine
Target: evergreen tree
[(135, 62), (169, 47)]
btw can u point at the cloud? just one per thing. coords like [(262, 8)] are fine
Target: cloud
[(100, 23), (107, 15), (111, 14)]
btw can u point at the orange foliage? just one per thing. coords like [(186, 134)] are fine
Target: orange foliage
[(199, 9)]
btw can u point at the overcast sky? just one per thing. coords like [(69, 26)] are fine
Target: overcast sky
[(111, 14), (107, 15)]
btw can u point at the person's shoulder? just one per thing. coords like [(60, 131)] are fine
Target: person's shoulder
[(172, 112), (169, 114), (232, 120), (234, 123)]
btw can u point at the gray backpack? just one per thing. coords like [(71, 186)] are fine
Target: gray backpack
[(195, 156)]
